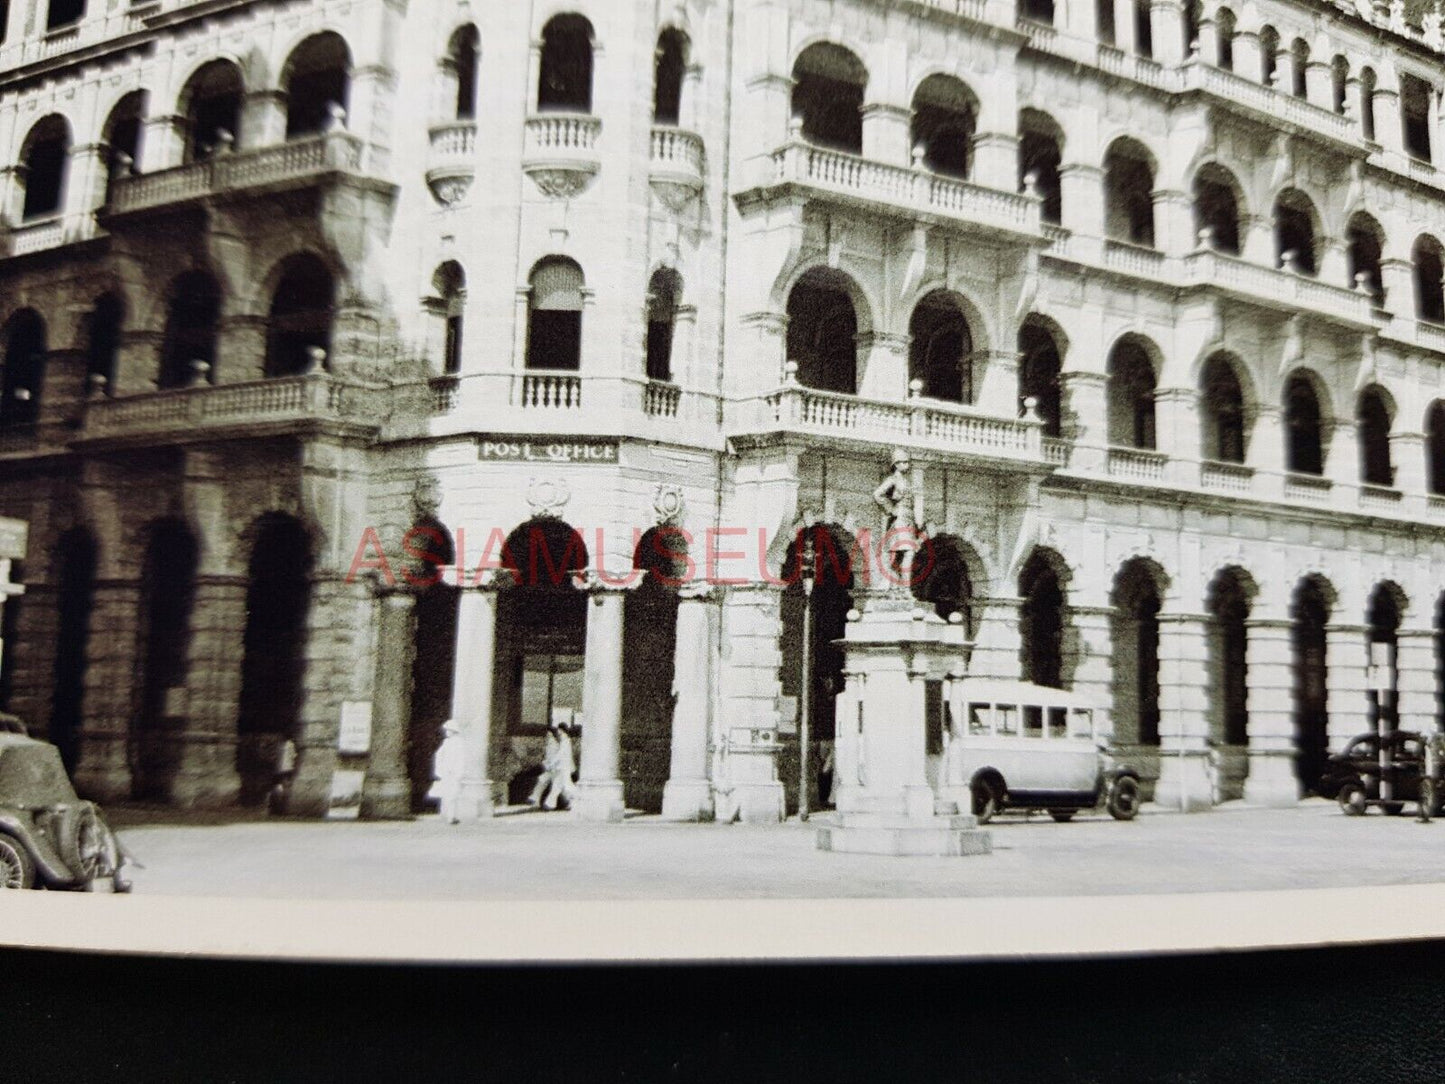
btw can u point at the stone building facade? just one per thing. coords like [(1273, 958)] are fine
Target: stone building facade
[(311, 311)]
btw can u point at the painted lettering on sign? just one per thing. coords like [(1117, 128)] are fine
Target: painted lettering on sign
[(547, 451)]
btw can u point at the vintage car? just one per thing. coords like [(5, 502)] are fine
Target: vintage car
[(1353, 776), (1021, 746), (49, 837)]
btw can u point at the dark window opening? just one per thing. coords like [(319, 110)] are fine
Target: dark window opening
[(1310, 614), (943, 125), (1039, 155), (103, 341), (939, 349), (1224, 30), (662, 298), (1143, 29), (302, 310), (1129, 193), (554, 325), (188, 348), (828, 87), (1363, 259), (64, 13), (1039, 366), (25, 354), (1041, 624), (1304, 431), (1415, 99), (1300, 55), (1040, 11), (1429, 292), (1435, 448), (122, 139), (823, 335), (668, 73), (213, 110), (1224, 438), (464, 61), (1131, 397), (1294, 234), (1268, 55), (1104, 21), (1216, 210), (1339, 83), (564, 82), (1367, 103), (317, 85), (1373, 421), (45, 158)]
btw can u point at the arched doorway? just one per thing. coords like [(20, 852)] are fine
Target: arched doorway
[(1041, 622), (541, 649), (649, 642), (1226, 647), (1136, 601), (273, 664), (835, 557), (168, 589), (75, 559), (1387, 603), (1310, 614), (434, 660), (823, 332)]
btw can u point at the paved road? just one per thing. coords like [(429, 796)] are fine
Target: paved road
[(549, 856)]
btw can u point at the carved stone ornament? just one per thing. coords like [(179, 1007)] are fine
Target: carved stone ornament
[(547, 497), (675, 195), (451, 188), (669, 503), (558, 183)]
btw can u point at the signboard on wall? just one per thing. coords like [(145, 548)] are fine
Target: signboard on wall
[(521, 449), (13, 534), (354, 737)]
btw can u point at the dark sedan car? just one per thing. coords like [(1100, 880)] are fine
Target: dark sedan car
[(1353, 776), (48, 836)]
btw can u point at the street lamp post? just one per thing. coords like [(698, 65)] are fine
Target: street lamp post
[(805, 687)]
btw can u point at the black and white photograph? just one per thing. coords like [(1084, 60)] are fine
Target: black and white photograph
[(721, 479)]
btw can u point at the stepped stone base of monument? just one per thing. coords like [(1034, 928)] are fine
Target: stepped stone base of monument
[(883, 833)]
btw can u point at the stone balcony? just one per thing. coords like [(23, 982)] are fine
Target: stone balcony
[(452, 159), (51, 232), (1279, 289), (1272, 107), (676, 164), (931, 426), (559, 152), (914, 194), (261, 408), (293, 164)]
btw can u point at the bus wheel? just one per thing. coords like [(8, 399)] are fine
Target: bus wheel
[(985, 800), (1124, 798)]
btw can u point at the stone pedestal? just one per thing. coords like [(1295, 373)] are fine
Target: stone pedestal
[(1270, 702), (386, 793), (885, 803)]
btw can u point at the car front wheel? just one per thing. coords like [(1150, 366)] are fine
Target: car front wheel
[(16, 868), (1124, 798), (985, 801), (1352, 800)]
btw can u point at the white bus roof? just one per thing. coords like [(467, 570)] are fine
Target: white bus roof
[(1020, 692)]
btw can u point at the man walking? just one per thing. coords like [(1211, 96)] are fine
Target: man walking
[(447, 771)]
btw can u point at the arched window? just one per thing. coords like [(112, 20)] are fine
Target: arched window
[(668, 72), (1367, 103), (317, 79), (1039, 365), (188, 348), (554, 315), (1193, 9), (1040, 152), (1435, 447), (940, 348), (45, 158), (63, 13), (449, 292), (1294, 232), (1372, 418), (462, 55), (1222, 401), (1143, 29), (1225, 29), (1131, 396), (1040, 11), (1104, 21), (1304, 427), (944, 112), (564, 82), (663, 292), (211, 103), (823, 332), (103, 327), (1415, 95), (1129, 193), (1268, 55), (1041, 621), (1135, 638), (25, 353), (302, 310), (1216, 210), (1429, 292), (121, 136), (1300, 55), (1227, 652), (828, 86), (1339, 82), (1363, 257)]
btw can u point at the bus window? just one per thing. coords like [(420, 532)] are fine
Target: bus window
[(1057, 722), (978, 719), (1006, 718), (1081, 721), (1033, 721)]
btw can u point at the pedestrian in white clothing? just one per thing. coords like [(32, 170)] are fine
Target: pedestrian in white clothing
[(447, 770), (549, 765), (561, 787)]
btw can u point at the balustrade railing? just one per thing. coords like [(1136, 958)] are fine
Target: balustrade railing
[(1057, 451), (1380, 498), (453, 139), (1133, 259), (564, 132), (660, 399), (443, 394), (552, 391), (1137, 464), (36, 236), (676, 150), (1228, 477), (1239, 90), (1307, 487), (1285, 287), (315, 395)]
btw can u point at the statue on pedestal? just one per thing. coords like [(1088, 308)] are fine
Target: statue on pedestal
[(900, 496)]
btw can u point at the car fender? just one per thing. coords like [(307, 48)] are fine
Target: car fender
[(48, 865)]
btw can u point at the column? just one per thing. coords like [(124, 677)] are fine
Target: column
[(1124, 25), (472, 693), (112, 671), (1415, 679), (1086, 418), (1388, 133), (1355, 103), (1342, 457), (745, 745), (207, 775), (1177, 418), (1257, 235), (1319, 85), (1092, 660), (1347, 657), (1333, 266), (386, 793), (997, 640), (1173, 222), (996, 389), (263, 118), (84, 187), (885, 366), (599, 790), (1248, 58), (12, 189), (1166, 27), (688, 793), (1407, 457), (1269, 700), (1208, 41), (1081, 207), (162, 143), (1183, 723), (886, 133), (1397, 278), (1285, 64), (996, 161)]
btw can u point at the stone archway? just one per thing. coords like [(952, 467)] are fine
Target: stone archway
[(167, 597), (75, 598), (434, 656), (649, 646)]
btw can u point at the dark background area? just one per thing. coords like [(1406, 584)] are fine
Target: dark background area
[(1360, 1013)]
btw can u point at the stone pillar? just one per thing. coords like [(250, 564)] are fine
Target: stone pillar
[(1264, 450), (1257, 236), (1124, 25), (1333, 264), (1166, 27), (369, 116), (112, 673), (1416, 682), (745, 745), (1085, 420), (1177, 419), (1388, 131), (688, 793), (599, 790), (1407, 457), (1248, 57), (472, 693), (1081, 207), (1319, 85), (1090, 635), (1347, 657), (1355, 104), (1397, 279), (997, 391), (885, 366), (886, 133), (206, 773), (1269, 700), (1284, 71), (84, 185), (996, 160), (387, 790), (163, 143), (1208, 51), (263, 118), (12, 193), (1342, 457), (1183, 723), (997, 641)]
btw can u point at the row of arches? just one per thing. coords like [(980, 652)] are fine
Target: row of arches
[(298, 335)]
